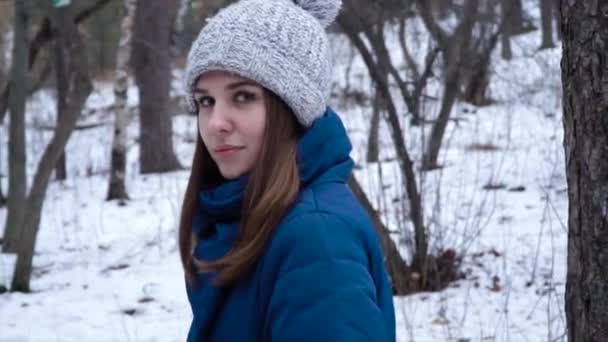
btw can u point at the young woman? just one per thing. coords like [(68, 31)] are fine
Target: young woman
[(274, 245)]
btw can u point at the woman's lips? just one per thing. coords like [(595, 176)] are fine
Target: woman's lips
[(227, 151)]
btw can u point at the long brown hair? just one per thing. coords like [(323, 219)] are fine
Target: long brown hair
[(272, 188)]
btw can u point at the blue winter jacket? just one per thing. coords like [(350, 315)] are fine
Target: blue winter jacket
[(321, 276)]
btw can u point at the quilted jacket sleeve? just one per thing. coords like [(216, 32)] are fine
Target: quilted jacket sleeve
[(325, 288)]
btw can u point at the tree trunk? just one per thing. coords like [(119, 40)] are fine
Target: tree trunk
[(476, 89), (506, 52), (153, 76), (62, 89), (457, 52), (546, 11), (117, 188), (372, 141), (79, 88), (558, 19), (442, 8), (515, 21), (450, 92), (17, 185), (177, 43), (585, 101)]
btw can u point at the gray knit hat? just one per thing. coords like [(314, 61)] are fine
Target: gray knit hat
[(280, 44)]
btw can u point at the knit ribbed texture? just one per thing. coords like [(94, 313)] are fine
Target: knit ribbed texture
[(276, 43)]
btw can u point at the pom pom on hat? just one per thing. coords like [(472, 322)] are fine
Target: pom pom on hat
[(325, 11)]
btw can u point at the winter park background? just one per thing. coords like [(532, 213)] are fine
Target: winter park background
[(109, 272)]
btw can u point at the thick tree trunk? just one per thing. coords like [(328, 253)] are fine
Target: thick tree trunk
[(79, 88), (153, 76), (515, 21), (16, 145), (585, 103), (546, 11), (118, 169)]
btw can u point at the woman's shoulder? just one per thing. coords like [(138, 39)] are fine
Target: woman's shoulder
[(334, 199), (327, 221)]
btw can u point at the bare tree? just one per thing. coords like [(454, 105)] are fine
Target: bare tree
[(546, 11), (38, 69), (118, 170), (78, 89), (584, 80), (456, 49), (16, 145), (352, 23), (152, 65), (43, 36)]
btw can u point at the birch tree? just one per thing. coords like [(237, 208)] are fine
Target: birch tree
[(117, 188)]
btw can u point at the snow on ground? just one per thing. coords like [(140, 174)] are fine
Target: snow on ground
[(103, 272)]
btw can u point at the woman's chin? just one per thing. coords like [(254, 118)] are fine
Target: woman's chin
[(231, 173)]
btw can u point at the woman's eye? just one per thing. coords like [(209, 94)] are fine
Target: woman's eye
[(243, 97), (205, 101)]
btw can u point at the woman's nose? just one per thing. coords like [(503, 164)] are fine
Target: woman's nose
[(220, 119)]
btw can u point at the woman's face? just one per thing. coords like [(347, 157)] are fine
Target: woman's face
[(231, 120)]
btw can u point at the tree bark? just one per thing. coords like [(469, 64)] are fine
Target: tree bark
[(62, 89), (478, 80), (177, 43), (373, 152), (79, 88), (442, 8), (117, 188), (515, 20), (151, 61), (17, 185), (505, 37), (546, 11), (585, 105)]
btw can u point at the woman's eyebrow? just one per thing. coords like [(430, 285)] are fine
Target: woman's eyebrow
[(230, 86)]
